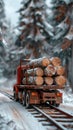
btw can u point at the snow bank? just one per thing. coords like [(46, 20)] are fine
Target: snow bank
[(7, 83), (6, 124), (67, 104), (68, 96)]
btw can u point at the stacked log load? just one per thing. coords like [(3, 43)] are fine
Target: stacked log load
[(45, 71)]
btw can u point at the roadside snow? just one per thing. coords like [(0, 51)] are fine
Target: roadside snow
[(6, 124), (2, 80), (67, 104), (13, 115)]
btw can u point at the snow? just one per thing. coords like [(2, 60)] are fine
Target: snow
[(5, 43), (13, 116), (6, 124), (68, 1), (3, 80)]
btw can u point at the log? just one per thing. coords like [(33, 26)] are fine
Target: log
[(60, 80), (60, 70), (41, 62), (56, 61), (35, 72), (49, 70), (37, 80), (48, 80)]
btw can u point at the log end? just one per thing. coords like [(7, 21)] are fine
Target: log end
[(60, 80), (50, 70), (60, 70), (39, 72), (45, 62), (49, 80), (39, 81), (56, 61)]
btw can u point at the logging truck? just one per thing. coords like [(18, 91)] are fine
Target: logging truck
[(38, 82)]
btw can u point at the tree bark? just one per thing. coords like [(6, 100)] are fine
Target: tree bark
[(37, 80), (72, 69)]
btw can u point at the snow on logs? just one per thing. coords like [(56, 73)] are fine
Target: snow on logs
[(35, 72), (50, 70), (37, 80), (41, 62), (45, 71)]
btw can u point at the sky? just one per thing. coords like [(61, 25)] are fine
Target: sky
[(11, 6)]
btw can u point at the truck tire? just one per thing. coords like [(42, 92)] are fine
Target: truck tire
[(24, 98), (15, 95), (27, 100)]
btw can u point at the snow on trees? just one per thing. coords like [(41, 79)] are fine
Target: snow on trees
[(2, 13), (59, 20), (34, 29), (40, 29)]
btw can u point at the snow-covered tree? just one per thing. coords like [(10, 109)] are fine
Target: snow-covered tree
[(59, 20), (2, 13), (35, 30)]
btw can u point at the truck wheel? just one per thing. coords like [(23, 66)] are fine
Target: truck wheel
[(15, 95), (27, 100), (23, 98)]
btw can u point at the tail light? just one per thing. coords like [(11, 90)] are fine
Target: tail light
[(34, 94), (59, 94)]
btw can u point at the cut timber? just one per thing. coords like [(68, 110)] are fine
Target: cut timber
[(34, 72), (60, 70), (37, 80), (50, 70), (48, 80), (60, 80), (43, 62), (56, 61)]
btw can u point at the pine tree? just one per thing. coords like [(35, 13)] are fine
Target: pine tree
[(59, 20), (35, 30), (62, 21), (2, 13), (44, 25)]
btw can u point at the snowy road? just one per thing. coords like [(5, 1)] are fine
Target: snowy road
[(16, 117)]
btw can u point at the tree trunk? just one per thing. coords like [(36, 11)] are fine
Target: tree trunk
[(37, 80), (56, 61), (60, 80), (50, 70), (60, 70), (48, 80), (43, 62), (72, 70), (34, 72)]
